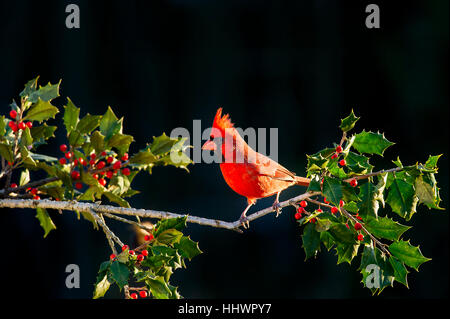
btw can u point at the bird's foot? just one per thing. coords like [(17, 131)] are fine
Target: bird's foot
[(244, 221), (276, 206)]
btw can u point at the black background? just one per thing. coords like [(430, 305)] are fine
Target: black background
[(298, 66)]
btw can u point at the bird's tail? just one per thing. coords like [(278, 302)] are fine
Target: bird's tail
[(302, 181)]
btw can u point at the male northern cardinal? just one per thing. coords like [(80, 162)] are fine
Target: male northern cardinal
[(256, 176)]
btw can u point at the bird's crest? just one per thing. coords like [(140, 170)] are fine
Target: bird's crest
[(222, 122)]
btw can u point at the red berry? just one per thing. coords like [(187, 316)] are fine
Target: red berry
[(62, 161), (75, 175), (29, 124), (124, 247), (334, 210), (93, 156), (338, 149), (75, 162), (134, 295), (117, 165), (126, 171), (34, 191), (13, 114), (103, 154), (92, 162), (95, 176), (358, 226), (148, 237), (100, 165), (325, 200), (110, 159), (78, 185), (10, 163), (313, 220), (346, 225), (109, 174), (13, 126), (82, 161), (131, 252), (360, 237), (63, 148), (144, 252), (13, 185), (140, 257), (298, 215), (353, 183), (301, 210), (334, 156), (112, 256), (358, 217), (36, 197), (318, 210), (143, 294), (342, 162), (124, 157), (68, 155), (341, 203), (303, 203), (102, 181), (22, 126)]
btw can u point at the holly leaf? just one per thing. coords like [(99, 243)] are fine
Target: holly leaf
[(101, 288), (41, 111), (88, 123), (432, 161), (349, 122), (45, 220), (407, 253), (98, 141), (400, 271), (6, 152), (385, 227), (119, 273), (376, 270), (178, 223), (311, 241), (42, 132), (110, 124), (368, 206), (162, 144), (71, 116), (371, 143), (24, 177), (121, 142), (332, 190), (346, 252), (187, 247), (45, 93), (169, 236), (314, 184), (427, 190), (158, 287), (402, 198)]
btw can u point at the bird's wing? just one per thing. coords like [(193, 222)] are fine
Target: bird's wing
[(268, 167)]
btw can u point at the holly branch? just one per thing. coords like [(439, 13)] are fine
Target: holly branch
[(93, 179)]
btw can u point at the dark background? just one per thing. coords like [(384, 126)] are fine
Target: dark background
[(298, 66)]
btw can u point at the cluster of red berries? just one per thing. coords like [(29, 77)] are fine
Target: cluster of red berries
[(18, 125), (142, 294), (98, 163), (338, 150)]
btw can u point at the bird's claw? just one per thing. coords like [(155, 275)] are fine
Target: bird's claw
[(245, 222), (276, 206)]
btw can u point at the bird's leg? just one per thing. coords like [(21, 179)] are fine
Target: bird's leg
[(276, 204), (244, 221)]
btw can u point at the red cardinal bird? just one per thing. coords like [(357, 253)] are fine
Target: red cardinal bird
[(246, 171)]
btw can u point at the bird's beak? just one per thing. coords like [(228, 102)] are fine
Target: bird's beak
[(209, 146)]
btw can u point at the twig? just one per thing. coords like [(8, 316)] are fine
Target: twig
[(109, 234), (124, 220)]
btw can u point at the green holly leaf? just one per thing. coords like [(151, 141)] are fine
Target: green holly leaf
[(30, 87), (42, 157), (45, 220), (26, 138), (341, 234), (2, 126), (377, 272), (76, 138), (346, 252), (6, 152), (332, 190), (358, 164), (351, 207), (24, 177), (117, 199), (402, 198), (427, 191), (314, 184), (327, 240), (98, 141), (42, 132), (169, 236), (162, 144), (323, 224), (119, 273), (41, 111), (178, 223), (110, 124), (101, 288), (88, 123), (45, 93), (121, 142), (371, 143), (349, 122), (432, 161), (158, 287), (407, 253), (400, 271), (368, 206), (187, 247), (311, 241), (71, 116), (385, 227)]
